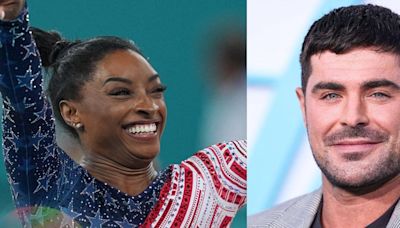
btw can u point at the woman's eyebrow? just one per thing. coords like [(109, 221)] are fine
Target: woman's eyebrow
[(153, 77), (117, 79), (126, 80)]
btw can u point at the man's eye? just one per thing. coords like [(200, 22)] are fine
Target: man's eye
[(330, 96), (380, 95)]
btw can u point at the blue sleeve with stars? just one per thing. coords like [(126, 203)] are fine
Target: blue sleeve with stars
[(31, 154)]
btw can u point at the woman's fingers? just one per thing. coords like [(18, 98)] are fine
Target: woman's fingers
[(10, 9)]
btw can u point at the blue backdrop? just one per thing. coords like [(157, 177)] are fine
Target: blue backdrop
[(280, 161)]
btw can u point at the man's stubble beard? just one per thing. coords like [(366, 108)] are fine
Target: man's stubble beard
[(371, 179), (383, 169)]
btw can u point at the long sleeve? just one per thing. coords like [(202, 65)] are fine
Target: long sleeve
[(30, 151), (205, 190)]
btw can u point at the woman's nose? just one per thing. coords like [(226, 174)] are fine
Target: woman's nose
[(146, 105)]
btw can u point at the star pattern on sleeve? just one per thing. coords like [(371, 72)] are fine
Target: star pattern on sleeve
[(8, 109), (51, 151), (11, 34), (44, 181), (40, 115), (68, 217), (97, 220), (17, 193), (125, 224), (10, 138), (27, 104), (27, 79), (90, 190), (15, 35), (7, 157), (109, 201), (36, 139), (134, 206), (30, 50)]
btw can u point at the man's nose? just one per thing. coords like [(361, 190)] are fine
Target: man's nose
[(354, 112)]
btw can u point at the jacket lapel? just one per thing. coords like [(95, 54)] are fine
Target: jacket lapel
[(304, 211), (394, 221)]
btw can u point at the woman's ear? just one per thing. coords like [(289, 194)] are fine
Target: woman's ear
[(70, 113)]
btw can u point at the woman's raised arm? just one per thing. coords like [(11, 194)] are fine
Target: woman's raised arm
[(30, 151)]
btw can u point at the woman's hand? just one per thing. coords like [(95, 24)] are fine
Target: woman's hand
[(10, 9)]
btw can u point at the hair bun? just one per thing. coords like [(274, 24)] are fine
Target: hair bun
[(58, 48), (51, 45), (45, 42)]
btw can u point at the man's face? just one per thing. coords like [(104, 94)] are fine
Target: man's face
[(352, 112)]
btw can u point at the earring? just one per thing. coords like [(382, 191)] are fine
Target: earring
[(77, 125)]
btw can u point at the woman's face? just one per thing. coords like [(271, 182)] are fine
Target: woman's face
[(122, 110)]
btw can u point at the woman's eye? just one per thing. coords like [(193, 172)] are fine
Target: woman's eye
[(160, 89), (120, 92)]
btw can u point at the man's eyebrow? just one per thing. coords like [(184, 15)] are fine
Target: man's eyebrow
[(117, 79), (327, 86), (379, 83)]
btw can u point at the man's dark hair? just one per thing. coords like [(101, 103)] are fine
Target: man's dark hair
[(72, 64), (347, 28)]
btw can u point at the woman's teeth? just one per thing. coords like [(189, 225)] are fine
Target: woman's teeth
[(142, 128)]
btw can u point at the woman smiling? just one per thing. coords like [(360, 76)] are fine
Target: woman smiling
[(108, 96)]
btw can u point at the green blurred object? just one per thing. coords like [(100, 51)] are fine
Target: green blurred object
[(172, 34)]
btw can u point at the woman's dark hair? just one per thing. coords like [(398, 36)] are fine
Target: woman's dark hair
[(347, 28), (71, 64)]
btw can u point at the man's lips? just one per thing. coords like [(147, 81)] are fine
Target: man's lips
[(356, 142), (355, 145)]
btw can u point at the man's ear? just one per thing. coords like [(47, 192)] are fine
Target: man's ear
[(302, 101), (69, 112)]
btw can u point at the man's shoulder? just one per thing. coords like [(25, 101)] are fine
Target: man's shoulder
[(297, 212)]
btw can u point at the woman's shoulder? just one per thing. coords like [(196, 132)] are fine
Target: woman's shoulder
[(221, 166), (212, 181), (225, 156)]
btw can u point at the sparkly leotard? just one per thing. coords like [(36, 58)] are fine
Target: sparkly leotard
[(50, 189)]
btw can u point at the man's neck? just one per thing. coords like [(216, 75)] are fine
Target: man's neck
[(345, 209)]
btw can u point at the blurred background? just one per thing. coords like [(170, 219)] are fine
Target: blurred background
[(280, 162), (197, 47)]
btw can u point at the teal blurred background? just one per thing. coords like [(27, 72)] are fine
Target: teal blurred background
[(179, 39)]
